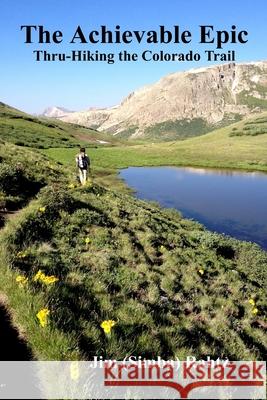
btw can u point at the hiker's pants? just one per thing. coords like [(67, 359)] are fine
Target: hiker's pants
[(83, 176)]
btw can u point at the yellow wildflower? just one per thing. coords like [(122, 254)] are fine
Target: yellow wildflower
[(162, 248), (74, 370), (49, 279), (107, 325), (41, 277), (42, 316), (42, 209), (252, 302), (38, 276), (201, 271), (22, 254), (71, 186), (21, 280), (255, 310), (87, 240)]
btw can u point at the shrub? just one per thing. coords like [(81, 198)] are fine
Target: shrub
[(55, 198), (87, 217), (34, 228), (12, 179)]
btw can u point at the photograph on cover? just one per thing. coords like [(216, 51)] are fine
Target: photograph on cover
[(133, 199)]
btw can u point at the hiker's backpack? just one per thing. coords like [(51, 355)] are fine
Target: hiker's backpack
[(83, 162)]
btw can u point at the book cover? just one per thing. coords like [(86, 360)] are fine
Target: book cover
[(133, 192)]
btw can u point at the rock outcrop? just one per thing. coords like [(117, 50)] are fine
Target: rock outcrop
[(210, 94)]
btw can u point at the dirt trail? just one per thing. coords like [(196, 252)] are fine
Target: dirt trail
[(6, 215), (13, 346)]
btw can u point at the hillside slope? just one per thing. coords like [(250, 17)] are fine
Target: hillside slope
[(171, 287), (242, 145), (25, 130), (184, 104)]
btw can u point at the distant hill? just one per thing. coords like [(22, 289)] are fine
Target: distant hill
[(23, 129), (184, 104)]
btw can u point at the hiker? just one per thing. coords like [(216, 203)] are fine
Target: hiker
[(83, 163)]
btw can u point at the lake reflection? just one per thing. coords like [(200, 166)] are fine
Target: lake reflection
[(225, 201)]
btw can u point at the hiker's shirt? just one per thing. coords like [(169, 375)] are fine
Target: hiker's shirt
[(82, 162)]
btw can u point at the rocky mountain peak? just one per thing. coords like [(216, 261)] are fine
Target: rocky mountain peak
[(209, 95)]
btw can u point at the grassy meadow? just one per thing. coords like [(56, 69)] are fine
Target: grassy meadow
[(41, 133), (222, 148), (72, 258)]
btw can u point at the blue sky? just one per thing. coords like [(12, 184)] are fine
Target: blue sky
[(32, 86)]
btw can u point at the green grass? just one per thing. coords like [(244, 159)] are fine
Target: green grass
[(139, 267), (22, 174), (25, 130), (251, 101), (254, 127), (218, 149), (184, 129), (172, 287), (176, 130), (48, 344)]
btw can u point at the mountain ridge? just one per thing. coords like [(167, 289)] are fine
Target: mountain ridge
[(205, 96)]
